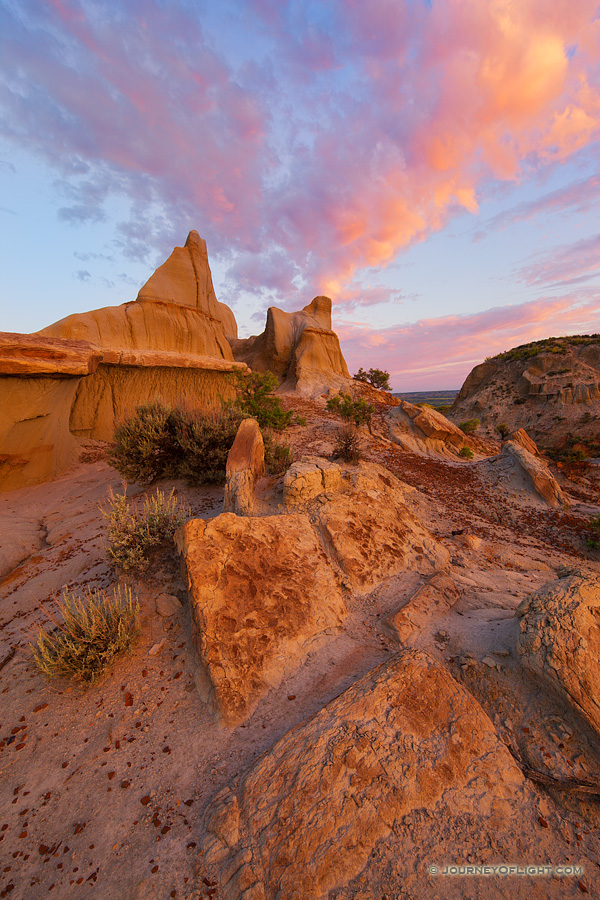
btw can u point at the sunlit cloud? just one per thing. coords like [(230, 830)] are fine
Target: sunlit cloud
[(567, 264)]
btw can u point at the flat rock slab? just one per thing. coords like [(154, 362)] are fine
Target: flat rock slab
[(559, 641), (437, 596), (307, 816), (255, 603)]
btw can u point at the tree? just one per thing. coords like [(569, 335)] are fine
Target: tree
[(375, 377)]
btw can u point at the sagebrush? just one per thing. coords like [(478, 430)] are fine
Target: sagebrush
[(351, 410), (466, 453), (92, 630), (347, 444), (470, 426), (131, 536), (160, 441), (278, 455)]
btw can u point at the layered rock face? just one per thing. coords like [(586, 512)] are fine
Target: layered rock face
[(306, 817), (559, 641), (549, 388), (299, 348), (423, 430), (519, 471)]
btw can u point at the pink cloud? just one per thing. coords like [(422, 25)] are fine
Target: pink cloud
[(567, 264), (440, 353)]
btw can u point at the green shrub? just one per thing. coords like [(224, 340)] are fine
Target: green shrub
[(162, 442), (375, 377), (503, 430), (466, 453), (131, 537), (357, 411), (347, 444), (255, 400), (93, 629), (470, 426), (278, 455)]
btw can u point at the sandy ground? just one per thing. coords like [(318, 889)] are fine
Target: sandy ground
[(103, 789)]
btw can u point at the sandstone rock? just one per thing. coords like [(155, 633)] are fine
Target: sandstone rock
[(528, 473), (521, 437), (371, 533), (423, 430), (255, 602), (245, 463), (29, 354), (559, 641), (306, 479), (405, 737), (167, 605), (299, 348), (437, 596)]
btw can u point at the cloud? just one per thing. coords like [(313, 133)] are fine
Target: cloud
[(83, 275), (319, 139), (439, 353), (567, 264)]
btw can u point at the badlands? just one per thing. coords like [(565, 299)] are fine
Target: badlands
[(354, 681)]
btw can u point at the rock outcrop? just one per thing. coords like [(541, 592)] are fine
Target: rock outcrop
[(299, 348), (550, 388), (559, 641), (520, 472), (405, 737), (256, 603), (423, 430), (308, 478), (438, 595), (245, 463)]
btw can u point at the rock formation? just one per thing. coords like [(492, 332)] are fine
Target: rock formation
[(438, 595), (406, 737), (550, 388), (255, 603), (559, 641), (424, 430), (518, 471), (245, 463), (299, 348)]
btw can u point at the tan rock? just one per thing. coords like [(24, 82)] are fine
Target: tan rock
[(29, 354), (167, 605), (245, 463), (528, 473), (307, 478), (306, 817), (370, 531), (521, 437), (299, 348), (423, 430), (437, 596), (559, 641), (255, 603)]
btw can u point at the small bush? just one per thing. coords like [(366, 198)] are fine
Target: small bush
[(375, 377), (94, 629), (162, 442), (466, 453), (503, 430), (278, 455), (255, 400), (347, 444), (131, 537), (357, 411), (469, 427)]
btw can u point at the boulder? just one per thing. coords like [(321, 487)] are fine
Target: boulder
[(299, 348), (527, 474), (404, 738), (423, 430), (521, 437), (306, 479), (437, 596), (245, 463), (255, 603), (370, 532), (559, 641)]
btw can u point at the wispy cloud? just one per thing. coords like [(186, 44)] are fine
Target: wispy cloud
[(567, 264)]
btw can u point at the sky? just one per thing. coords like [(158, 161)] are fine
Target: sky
[(431, 165)]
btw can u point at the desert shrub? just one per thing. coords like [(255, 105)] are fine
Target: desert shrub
[(357, 411), (470, 426), (278, 455), (503, 430), (161, 442), (347, 444), (132, 536), (255, 400), (466, 453), (93, 628), (375, 377), (300, 420), (593, 540)]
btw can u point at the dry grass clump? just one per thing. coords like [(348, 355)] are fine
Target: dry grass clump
[(347, 444), (132, 536), (93, 629)]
